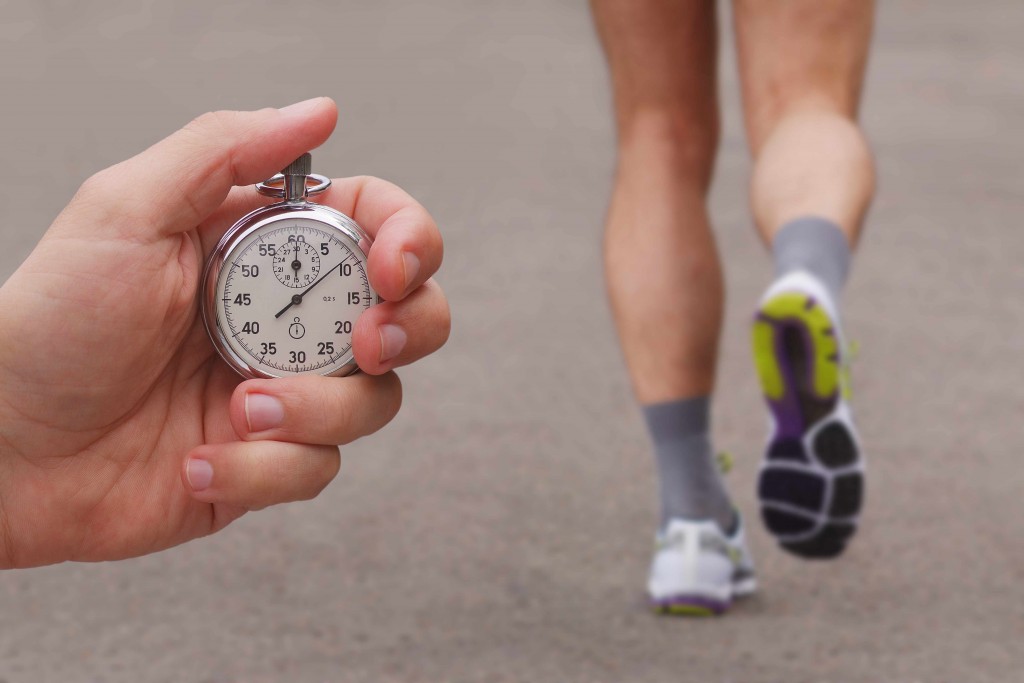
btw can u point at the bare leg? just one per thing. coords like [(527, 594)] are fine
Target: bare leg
[(664, 278), (802, 65), (665, 283)]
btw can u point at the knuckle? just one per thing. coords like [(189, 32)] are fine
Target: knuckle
[(210, 123), (343, 414), (445, 323), (328, 464), (436, 240), (392, 396), (264, 479), (370, 181), (100, 187), (441, 312), (109, 199), (330, 412), (95, 182)]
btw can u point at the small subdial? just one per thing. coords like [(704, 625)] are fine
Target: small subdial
[(296, 264)]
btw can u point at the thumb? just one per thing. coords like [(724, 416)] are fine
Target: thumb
[(175, 184)]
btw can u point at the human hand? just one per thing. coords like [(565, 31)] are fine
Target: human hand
[(121, 431)]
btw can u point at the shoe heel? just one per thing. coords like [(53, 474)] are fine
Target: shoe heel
[(794, 313)]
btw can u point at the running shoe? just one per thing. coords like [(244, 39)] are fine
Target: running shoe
[(811, 484), (698, 570)]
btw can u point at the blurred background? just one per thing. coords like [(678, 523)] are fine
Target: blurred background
[(500, 528)]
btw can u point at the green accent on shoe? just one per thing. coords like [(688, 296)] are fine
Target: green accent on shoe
[(686, 611), (790, 306), (852, 352), (725, 461)]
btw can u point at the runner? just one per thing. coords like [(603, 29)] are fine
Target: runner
[(802, 66)]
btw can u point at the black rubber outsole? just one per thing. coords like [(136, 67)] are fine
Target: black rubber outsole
[(809, 495), (812, 492)]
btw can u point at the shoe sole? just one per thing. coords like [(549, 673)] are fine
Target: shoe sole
[(694, 605), (811, 485), (690, 606)]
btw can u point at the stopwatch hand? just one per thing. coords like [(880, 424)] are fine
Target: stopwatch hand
[(297, 298)]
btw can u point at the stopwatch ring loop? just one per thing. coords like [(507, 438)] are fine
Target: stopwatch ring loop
[(274, 187)]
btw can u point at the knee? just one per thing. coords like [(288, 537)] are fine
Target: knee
[(783, 104), (683, 140)]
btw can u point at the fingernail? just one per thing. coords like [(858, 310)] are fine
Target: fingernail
[(199, 473), (412, 266), (392, 341), (263, 412), (301, 109)]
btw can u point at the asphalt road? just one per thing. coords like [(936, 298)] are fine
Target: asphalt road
[(499, 529)]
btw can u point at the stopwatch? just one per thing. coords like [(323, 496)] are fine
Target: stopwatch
[(284, 286)]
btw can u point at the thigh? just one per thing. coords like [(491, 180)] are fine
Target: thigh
[(800, 53), (661, 53)]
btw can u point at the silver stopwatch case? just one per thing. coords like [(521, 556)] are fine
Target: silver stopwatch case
[(283, 223)]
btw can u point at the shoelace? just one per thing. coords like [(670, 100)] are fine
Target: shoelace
[(725, 461), (846, 370)]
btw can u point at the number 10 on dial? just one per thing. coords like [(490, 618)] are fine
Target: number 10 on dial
[(286, 283)]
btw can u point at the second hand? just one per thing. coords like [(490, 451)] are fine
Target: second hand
[(297, 298)]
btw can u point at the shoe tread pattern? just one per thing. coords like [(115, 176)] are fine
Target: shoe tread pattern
[(811, 485)]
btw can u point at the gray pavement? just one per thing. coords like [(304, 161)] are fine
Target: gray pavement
[(499, 529)]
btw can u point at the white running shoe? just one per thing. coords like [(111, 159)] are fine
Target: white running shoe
[(697, 570), (811, 484)]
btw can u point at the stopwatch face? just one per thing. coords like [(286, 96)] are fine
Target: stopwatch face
[(288, 290)]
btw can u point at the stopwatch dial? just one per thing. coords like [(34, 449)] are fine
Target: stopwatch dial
[(296, 262), (284, 328)]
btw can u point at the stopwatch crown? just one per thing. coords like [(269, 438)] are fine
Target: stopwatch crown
[(301, 166), (295, 182), (295, 175)]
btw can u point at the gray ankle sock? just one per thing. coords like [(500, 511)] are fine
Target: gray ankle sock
[(816, 245), (691, 486)]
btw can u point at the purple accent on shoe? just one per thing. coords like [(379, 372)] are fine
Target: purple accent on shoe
[(791, 410), (787, 411), (699, 601), (810, 303)]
